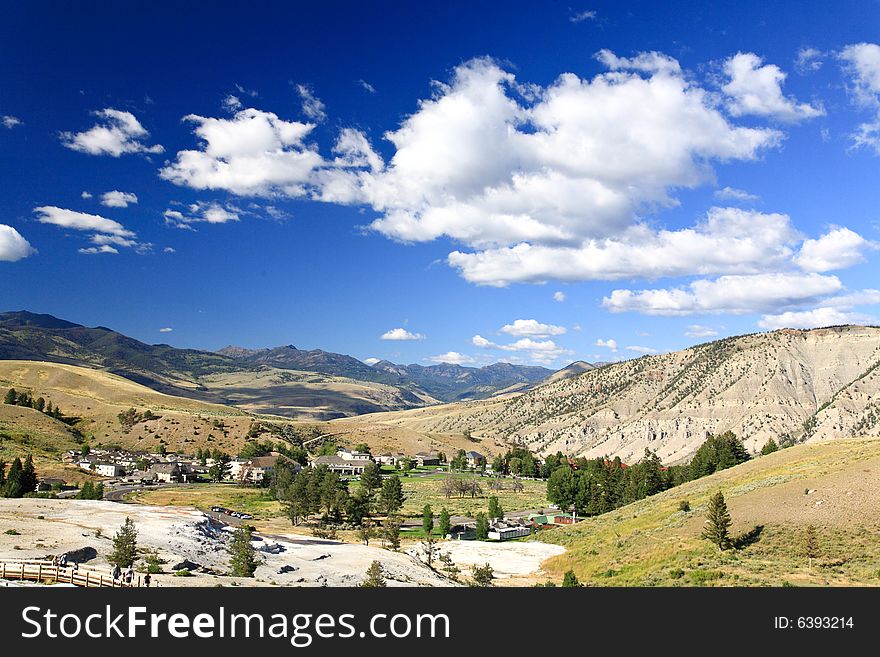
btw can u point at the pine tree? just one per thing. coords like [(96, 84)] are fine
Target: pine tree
[(12, 487), (243, 560), (28, 477), (124, 545), (40, 404), (769, 447), (445, 522), (427, 520), (375, 576), (717, 522), (391, 532), (11, 397), (391, 496), (371, 479), (483, 575), (570, 580)]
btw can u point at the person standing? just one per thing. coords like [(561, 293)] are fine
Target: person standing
[(147, 580)]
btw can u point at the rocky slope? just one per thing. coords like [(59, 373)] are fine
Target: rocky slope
[(809, 385)]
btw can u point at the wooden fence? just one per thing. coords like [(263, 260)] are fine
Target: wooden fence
[(45, 571)]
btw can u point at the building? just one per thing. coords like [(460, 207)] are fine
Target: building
[(349, 455), (109, 470), (501, 532), (341, 465), (257, 469), (49, 483), (474, 459), (426, 458), (164, 472), (391, 458)]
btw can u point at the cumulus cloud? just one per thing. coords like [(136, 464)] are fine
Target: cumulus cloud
[(13, 246), (167, 329), (253, 153), (838, 249), (115, 134), (371, 361), (756, 89), (727, 294), (452, 357), (700, 331), (232, 103), (539, 351), (10, 121), (608, 344), (813, 319), (86, 195), (312, 106), (92, 250), (401, 334), (808, 60), (862, 63), (49, 214), (532, 328), (733, 194), (559, 297), (201, 212), (117, 199)]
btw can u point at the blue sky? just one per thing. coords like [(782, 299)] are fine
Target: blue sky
[(620, 177)]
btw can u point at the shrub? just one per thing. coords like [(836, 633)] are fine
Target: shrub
[(676, 573), (684, 505)]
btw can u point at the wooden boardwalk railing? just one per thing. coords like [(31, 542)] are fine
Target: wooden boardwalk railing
[(45, 571)]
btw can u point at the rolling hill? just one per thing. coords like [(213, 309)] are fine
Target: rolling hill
[(803, 385), (772, 500)]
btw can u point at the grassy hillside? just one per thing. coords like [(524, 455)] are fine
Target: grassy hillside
[(833, 486)]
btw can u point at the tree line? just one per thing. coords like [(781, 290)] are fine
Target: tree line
[(15, 398), (20, 480)]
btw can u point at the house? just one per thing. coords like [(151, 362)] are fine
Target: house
[(257, 469), (390, 458), (349, 455), (341, 465), (163, 472), (49, 483), (426, 458), (109, 470), (474, 459)]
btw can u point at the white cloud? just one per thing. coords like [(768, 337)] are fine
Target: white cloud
[(232, 103), (808, 60), (312, 107), (115, 134), (10, 121), (838, 249), (813, 319), (581, 16), (559, 297), (539, 351), (608, 344), (169, 249), (366, 86), (92, 250), (13, 246), (167, 329), (733, 194), (756, 89), (254, 153), (201, 212), (641, 350), (86, 195), (114, 240), (700, 331), (862, 63), (452, 357), (532, 328), (401, 334), (49, 214), (371, 361), (727, 294), (730, 240), (117, 199)]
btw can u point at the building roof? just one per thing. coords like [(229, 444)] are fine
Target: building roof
[(263, 461), (167, 468), (336, 460)]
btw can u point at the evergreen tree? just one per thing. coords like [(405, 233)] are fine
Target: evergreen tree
[(445, 522), (358, 506), (391, 496), (375, 576), (12, 486), (391, 532), (124, 545), (371, 479), (40, 404), (11, 397), (365, 531), (427, 520), (483, 575), (718, 521), (482, 527), (2, 475), (28, 477), (769, 447), (570, 580), (495, 510), (242, 556)]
